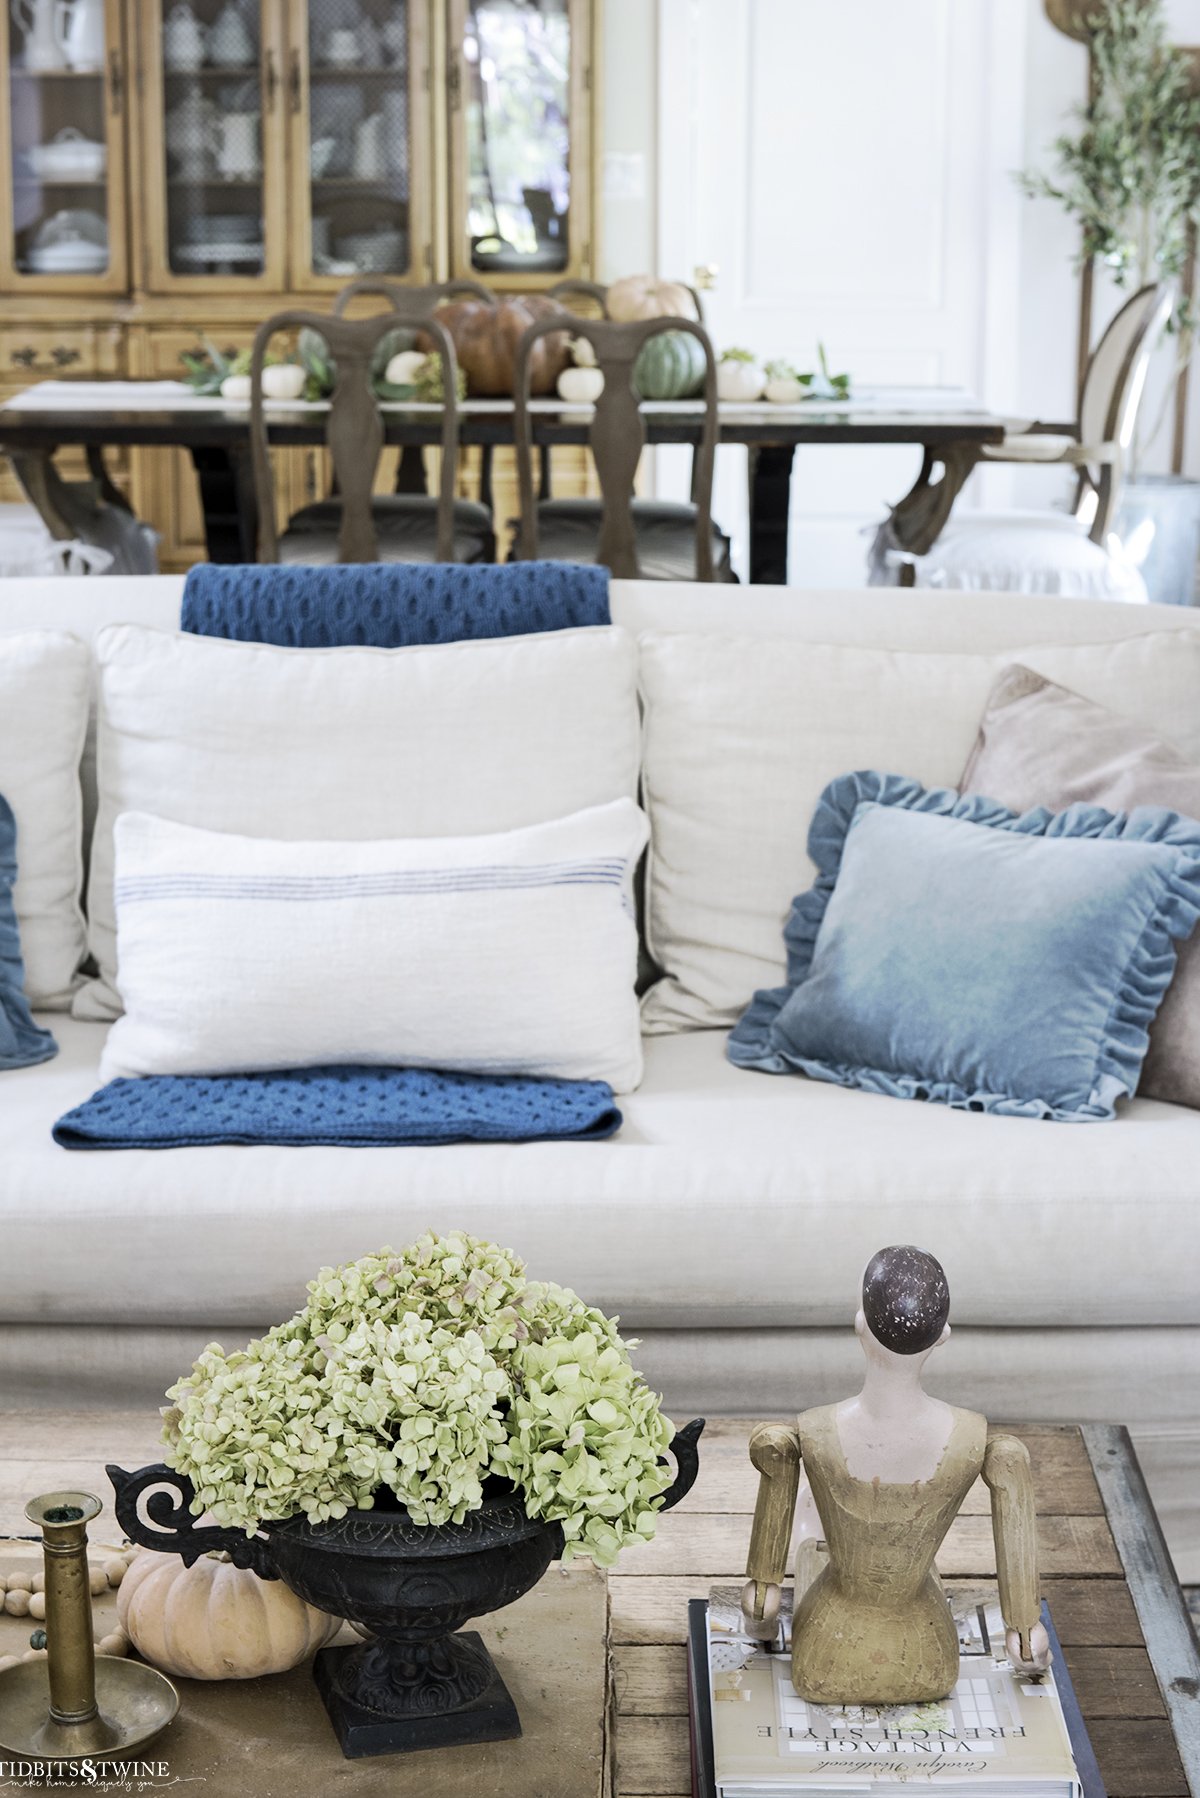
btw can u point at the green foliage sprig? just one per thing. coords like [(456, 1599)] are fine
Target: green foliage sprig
[(1130, 173), (425, 1373)]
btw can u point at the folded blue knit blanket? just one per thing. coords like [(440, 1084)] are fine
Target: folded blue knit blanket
[(388, 605), (348, 1107)]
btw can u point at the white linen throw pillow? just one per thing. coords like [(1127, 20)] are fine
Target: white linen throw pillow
[(354, 743), (45, 679), (513, 953), (742, 735)]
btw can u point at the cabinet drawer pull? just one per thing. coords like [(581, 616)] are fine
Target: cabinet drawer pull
[(116, 81), (24, 358), (62, 357), (270, 82), (295, 83)]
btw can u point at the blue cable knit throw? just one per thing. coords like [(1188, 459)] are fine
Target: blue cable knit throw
[(351, 1108), (389, 605)]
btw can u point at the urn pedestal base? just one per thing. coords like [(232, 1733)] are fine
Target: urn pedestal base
[(489, 1716)]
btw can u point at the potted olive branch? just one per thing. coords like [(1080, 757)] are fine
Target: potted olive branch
[(409, 1450)]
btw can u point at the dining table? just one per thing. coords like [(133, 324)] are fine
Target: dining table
[(946, 424)]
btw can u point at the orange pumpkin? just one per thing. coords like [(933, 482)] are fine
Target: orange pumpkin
[(485, 339)]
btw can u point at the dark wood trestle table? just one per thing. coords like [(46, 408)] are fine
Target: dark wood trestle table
[(951, 433)]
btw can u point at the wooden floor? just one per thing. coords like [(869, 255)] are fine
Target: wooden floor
[(704, 1541)]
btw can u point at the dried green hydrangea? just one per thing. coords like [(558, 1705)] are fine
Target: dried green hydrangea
[(425, 1372)]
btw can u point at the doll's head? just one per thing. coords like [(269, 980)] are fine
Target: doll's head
[(905, 1302)]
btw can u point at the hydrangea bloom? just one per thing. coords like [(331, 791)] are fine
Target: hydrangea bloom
[(426, 1372)]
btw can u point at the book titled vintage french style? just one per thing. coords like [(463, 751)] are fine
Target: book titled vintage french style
[(997, 1735)]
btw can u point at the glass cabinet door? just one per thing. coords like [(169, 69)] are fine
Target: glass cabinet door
[(520, 139), (360, 172), (64, 99), (213, 144)]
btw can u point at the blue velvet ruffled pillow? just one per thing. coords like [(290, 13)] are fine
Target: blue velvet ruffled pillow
[(22, 1042), (955, 951)]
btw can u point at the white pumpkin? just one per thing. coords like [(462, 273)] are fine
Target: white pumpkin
[(646, 296), (580, 386), (283, 381), (215, 1620), (404, 368), (739, 381), (236, 388), (784, 390)]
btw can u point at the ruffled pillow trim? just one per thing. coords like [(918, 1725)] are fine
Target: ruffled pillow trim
[(1139, 992)]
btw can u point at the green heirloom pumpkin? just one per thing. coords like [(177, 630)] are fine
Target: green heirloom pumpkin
[(670, 366)]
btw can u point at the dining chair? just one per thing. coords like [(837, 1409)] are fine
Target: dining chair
[(636, 538), (355, 524), (1073, 553)]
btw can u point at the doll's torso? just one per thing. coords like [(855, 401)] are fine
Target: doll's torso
[(874, 1626)]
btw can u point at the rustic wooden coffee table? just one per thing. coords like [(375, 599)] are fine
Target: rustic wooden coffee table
[(602, 1689)]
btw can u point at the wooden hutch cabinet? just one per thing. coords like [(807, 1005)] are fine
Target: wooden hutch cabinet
[(179, 169)]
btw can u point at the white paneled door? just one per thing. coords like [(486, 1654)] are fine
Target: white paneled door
[(847, 166)]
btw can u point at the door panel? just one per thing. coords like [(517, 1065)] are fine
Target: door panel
[(853, 195), (213, 145), (519, 83), (63, 104), (359, 132)]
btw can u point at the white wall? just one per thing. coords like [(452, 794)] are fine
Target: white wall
[(1031, 357)]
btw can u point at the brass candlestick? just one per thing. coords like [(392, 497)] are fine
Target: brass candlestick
[(73, 1706)]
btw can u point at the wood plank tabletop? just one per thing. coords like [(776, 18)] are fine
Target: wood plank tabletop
[(1119, 1616)]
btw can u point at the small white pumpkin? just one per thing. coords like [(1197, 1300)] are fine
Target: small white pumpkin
[(785, 390), (580, 386), (236, 388), (741, 382), (404, 368), (215, 1620), (282, 381)]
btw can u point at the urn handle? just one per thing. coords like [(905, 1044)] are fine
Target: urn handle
[(687, 1462), (178, 1533)]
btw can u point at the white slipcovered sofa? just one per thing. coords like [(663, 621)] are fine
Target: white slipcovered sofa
[(728, 1222)]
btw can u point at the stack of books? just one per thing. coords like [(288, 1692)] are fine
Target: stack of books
[(998, 1734)]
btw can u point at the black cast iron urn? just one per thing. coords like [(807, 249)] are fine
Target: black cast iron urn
[(422, 1682)]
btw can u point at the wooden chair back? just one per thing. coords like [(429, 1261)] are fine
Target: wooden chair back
[(616, 437), (401, 296), (355, 432)]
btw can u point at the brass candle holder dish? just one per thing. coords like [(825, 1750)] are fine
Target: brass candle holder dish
[(75, 1706)]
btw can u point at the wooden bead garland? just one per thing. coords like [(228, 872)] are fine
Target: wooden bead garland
[(23, 1595)]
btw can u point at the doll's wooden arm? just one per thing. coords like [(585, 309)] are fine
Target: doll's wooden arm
[(1007, 1473), (775, 1451)]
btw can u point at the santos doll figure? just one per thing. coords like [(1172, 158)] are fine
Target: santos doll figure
[(887, 1472)]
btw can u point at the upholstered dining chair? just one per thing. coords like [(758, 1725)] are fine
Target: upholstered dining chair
[(636, 538), (1069, 553), (355, 524)]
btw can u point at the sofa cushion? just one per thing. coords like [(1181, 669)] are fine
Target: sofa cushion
[(513, 952), (45, 679), (723, 1200), (744, 733), (354, 744)]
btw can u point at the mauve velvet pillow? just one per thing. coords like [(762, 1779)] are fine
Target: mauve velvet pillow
[(1041, 744)]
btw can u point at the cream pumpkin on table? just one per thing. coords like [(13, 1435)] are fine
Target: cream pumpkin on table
[(216, 1621)]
